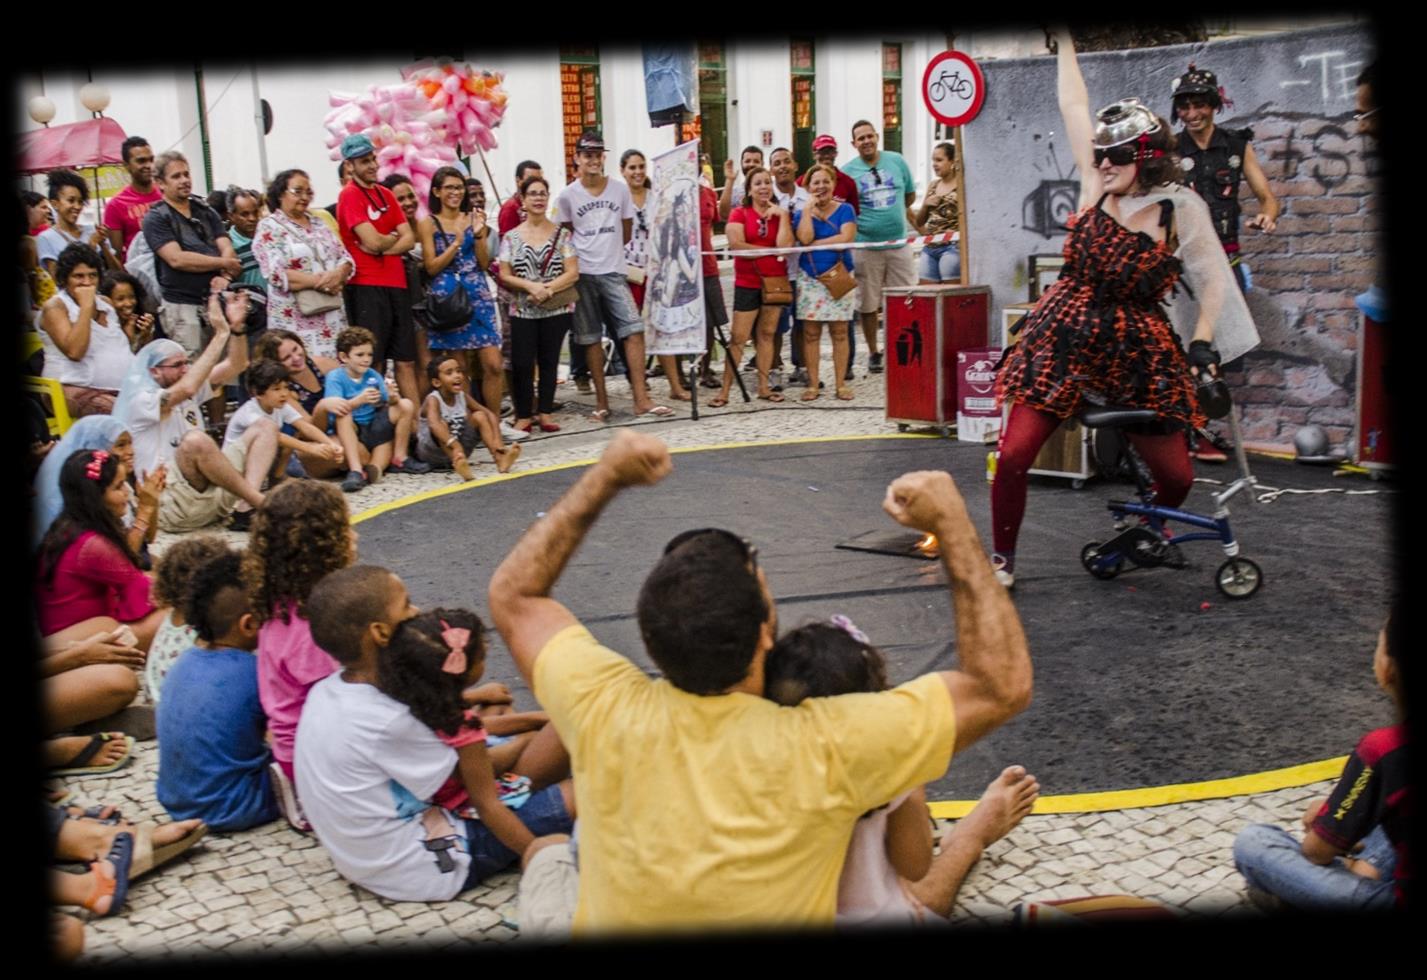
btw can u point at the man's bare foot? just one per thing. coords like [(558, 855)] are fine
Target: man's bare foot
[(1007, 800), (59, 752)]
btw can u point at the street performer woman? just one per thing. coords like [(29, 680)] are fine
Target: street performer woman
[(1101, 333)]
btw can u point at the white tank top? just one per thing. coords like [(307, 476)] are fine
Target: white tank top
[(107, 360)]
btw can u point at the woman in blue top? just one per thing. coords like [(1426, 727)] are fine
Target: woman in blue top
[(824, 221), (456, 248)]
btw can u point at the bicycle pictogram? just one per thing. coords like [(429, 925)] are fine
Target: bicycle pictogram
[(950, 83)]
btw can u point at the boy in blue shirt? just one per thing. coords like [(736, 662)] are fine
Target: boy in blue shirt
[(386, 433), (213, 760)]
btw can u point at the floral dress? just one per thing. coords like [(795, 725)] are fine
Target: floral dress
[(281, 246), (483, 330), (1101, 328)]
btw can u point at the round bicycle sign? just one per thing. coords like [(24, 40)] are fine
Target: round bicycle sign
[(953, 88)]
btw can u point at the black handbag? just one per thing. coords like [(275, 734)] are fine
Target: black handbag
[(452, 311)]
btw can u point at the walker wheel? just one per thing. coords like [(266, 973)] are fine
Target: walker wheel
[(1238, 578), (1096, 565), (902, 427)]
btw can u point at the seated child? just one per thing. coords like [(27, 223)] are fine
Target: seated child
[(172, 577), (1366, 815), (451, 421), (387, 432), (213, 761), (301, 532), (267, 383), (368, 768), (890, 876)]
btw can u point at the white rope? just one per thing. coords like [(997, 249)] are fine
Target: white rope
[(1273, 493)]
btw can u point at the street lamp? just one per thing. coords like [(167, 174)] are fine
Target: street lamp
[(42, 109)]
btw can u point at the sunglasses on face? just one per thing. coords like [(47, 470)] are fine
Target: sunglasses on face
[(1120, 156), (749, 549)]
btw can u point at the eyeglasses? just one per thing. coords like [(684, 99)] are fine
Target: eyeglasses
[(749, 549), (1360, 116), (1120, 156), (453, 188)]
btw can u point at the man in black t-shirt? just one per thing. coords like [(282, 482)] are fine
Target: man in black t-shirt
[(1354, 854), (193, 255)]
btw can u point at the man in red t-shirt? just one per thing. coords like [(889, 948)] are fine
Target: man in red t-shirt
[(825, 153), (511, 213), (377, 234), (124, 214)]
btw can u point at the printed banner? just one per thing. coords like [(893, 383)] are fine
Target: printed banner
[(673, 273)]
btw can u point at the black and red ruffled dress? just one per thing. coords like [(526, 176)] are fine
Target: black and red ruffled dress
[(1101, 328)]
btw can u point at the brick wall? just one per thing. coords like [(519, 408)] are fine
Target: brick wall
[(1323, 253)]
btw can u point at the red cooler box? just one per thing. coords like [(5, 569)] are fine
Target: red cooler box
[(1372, 447), (926, 327)]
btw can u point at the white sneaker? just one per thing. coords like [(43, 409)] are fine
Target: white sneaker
[(510, 433), (1003, 574), (287, 802)]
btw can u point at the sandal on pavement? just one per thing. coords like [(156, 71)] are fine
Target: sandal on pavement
[(147, 857), (600, 415), (844, 393), (121, 852), (658, 411), (718, 401), (772, 396), (95, 813), (79, 765), (811, 395)]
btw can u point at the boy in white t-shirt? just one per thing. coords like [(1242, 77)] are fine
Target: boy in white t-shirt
[(267, 383), (600, 214)]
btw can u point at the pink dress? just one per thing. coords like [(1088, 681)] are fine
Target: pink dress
[(289, 663), (93, 578)]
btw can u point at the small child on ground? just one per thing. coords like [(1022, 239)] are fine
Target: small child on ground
[(418, 669), (213, 761), (268, 384), (1354, 855), (890, 876), (369, 768), (451, 421), (300, 533), (387, 433), (172, 577)]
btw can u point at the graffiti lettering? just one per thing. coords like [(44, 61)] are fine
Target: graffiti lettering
[(1331, 163), (1336, 75)]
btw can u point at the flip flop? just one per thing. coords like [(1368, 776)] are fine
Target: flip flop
[(811, 395), (147, 857), (121, 853), (659, 411), (717, 402), (78, 765), (844, 394), (600, 415), (771, 397), (95, 813)]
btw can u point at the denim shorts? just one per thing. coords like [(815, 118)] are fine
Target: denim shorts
[(544, 813), (605, 299)]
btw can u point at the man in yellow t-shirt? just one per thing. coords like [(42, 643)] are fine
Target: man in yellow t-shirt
[(702, 804)]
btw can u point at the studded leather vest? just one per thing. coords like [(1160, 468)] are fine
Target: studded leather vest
[(1215, 172)]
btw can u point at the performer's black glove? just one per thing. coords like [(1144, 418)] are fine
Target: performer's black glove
[(1202, 354)]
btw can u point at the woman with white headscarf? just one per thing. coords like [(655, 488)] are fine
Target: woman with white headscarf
[(107, 433)]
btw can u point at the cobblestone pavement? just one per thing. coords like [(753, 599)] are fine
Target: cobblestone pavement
[(273, 889)]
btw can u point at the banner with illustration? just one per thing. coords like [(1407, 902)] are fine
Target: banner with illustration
[(673, 272)]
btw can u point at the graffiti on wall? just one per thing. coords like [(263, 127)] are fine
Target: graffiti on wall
[(1046, 209), (1333, 74)]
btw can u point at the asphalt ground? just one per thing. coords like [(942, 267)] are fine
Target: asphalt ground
[(1148, 679)]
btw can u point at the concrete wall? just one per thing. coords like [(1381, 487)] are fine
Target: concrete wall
[(1296, 91)]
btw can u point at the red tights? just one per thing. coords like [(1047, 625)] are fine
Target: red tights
[(1027, 430)]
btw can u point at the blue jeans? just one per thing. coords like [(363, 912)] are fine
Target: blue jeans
[(544, 813), (1271, 860), (939, 263)]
